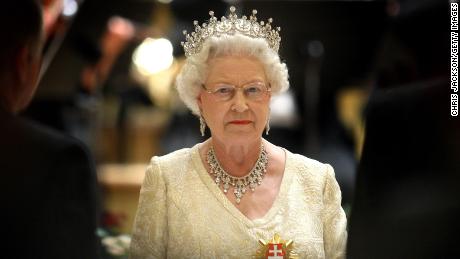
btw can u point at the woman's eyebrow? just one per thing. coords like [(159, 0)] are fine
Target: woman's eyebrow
[(228, 79)]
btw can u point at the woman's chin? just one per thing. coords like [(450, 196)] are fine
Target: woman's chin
[(242, 135), (238, 134)]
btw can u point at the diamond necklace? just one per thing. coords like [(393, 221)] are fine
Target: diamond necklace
[(240, 184)]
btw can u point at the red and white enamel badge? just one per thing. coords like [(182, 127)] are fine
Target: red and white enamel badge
[(275, 251), (276, 248)]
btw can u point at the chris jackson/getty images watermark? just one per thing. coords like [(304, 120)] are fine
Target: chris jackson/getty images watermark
[(454, 58)]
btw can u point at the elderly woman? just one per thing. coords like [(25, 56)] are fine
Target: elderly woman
[(236, 195)]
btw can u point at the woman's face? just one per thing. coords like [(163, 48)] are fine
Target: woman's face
[(240, 116)]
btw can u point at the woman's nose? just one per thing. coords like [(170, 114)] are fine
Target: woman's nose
[(239, 101)]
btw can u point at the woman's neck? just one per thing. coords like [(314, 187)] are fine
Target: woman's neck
[(237, 159)]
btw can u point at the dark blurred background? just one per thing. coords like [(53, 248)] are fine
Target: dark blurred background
[(109, 68)]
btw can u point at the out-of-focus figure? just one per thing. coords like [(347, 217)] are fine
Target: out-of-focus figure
[(407, 196), (48, 186)]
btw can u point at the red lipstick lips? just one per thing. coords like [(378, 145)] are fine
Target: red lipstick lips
[(240, 122)]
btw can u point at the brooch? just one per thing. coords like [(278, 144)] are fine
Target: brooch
[(276, 248)]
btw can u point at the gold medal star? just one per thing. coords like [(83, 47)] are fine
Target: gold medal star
[(276, 248)]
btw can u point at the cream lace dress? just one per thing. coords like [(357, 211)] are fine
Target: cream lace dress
[(183, 214)]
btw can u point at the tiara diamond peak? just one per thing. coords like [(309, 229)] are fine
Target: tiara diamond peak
[(231, 25)]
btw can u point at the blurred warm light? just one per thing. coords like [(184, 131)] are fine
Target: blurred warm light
[(153, 56), (165, 1), (160, 85), (52, 9), (70, 8), (121, 26), (350, 102), (283, 110)]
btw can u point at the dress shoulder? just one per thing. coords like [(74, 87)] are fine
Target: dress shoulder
[(178, 156), (308, 167), (309, 162), (172, 167)]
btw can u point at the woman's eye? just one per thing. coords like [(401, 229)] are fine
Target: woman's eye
[(253, 89), (224, 90)]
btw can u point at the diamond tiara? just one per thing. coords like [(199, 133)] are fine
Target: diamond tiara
[(229, 26)]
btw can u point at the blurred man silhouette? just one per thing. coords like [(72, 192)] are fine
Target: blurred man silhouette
[(407, 196), (48, 183)]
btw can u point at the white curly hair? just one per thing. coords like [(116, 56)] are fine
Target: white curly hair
[(193, 73)]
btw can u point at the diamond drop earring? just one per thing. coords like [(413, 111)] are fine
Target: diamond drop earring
[(202, 126), (267, 127)]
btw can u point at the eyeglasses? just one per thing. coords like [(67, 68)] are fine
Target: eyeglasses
[(253, 91)]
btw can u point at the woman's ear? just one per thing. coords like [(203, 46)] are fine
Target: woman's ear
[(198, 101)]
